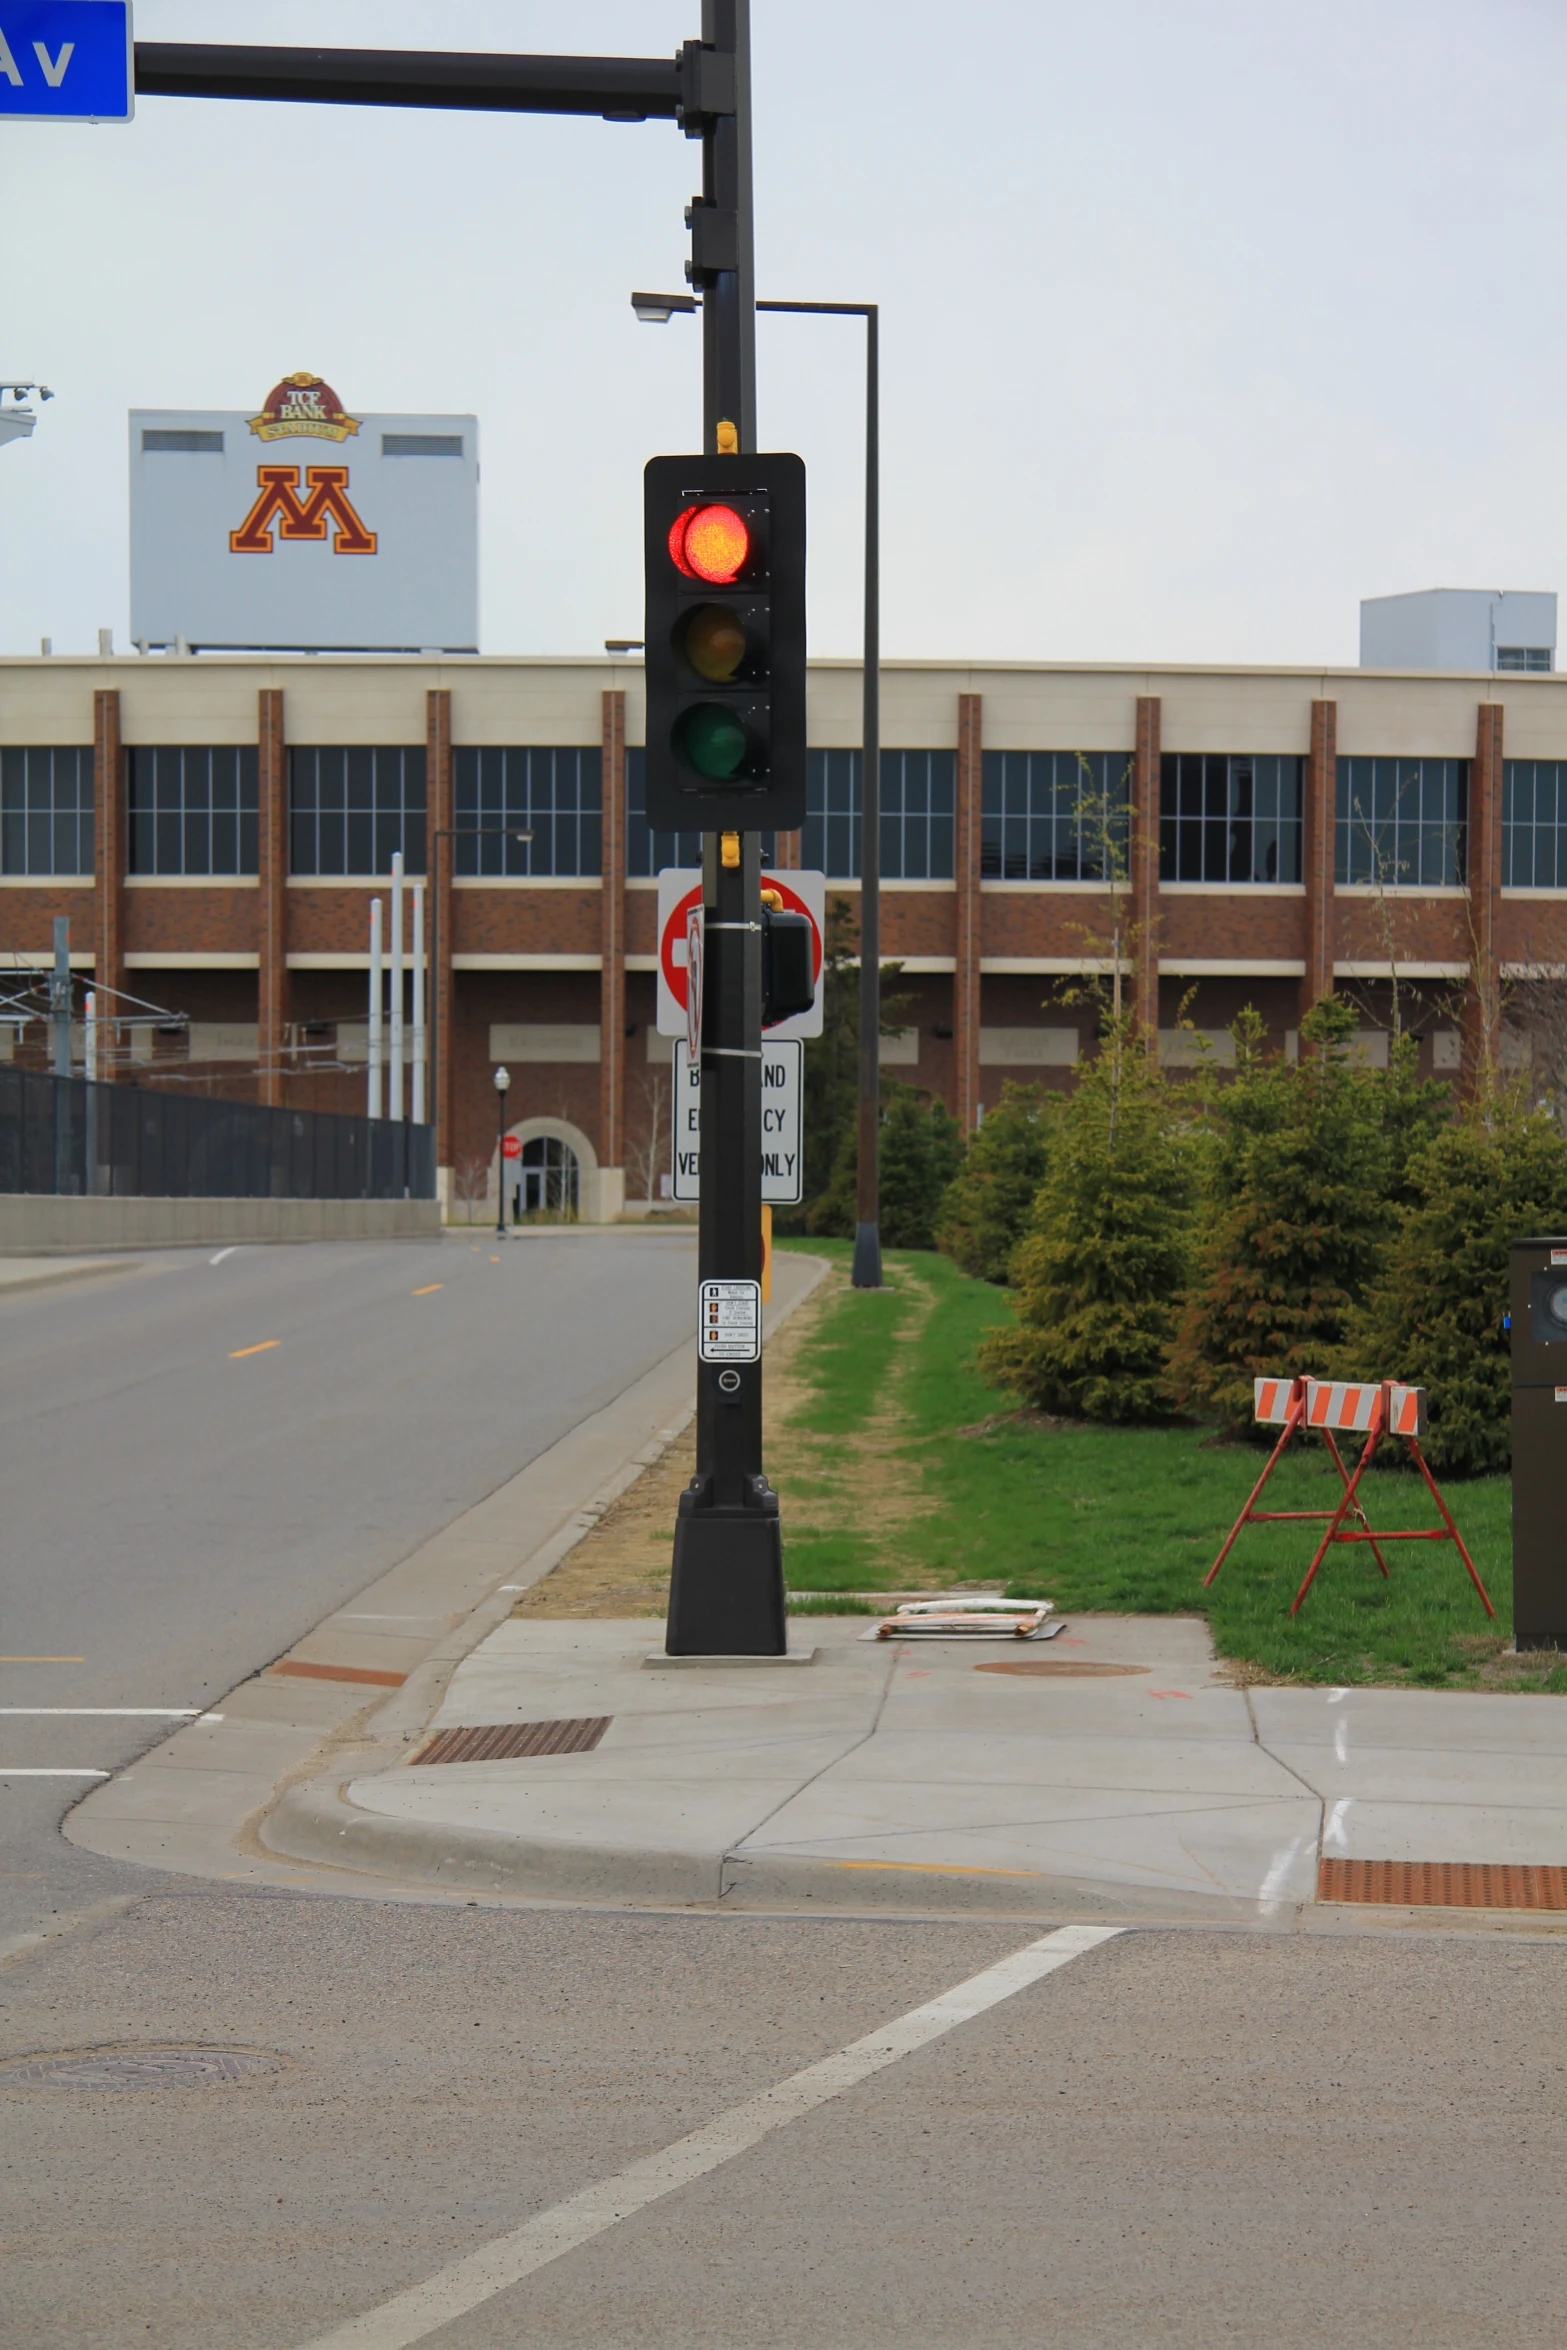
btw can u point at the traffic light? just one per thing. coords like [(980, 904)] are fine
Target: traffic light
[(725, 643)]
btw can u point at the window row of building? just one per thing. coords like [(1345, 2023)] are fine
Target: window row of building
[(1045, 815)]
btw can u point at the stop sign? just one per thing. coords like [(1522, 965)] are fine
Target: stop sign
[(511, 1147), (680, 891)]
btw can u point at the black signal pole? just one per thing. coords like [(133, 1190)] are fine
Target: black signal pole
[(726, 1593)]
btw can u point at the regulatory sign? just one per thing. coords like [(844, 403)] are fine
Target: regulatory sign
[(781, 1154), (679, 890), (731, 1321), (511, 1146), (67, 61)]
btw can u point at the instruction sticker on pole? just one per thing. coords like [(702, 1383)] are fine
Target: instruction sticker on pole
[(731, 1321), (782, 1158)]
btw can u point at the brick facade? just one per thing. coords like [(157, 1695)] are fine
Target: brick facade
[(612, 938), (986, 957), (272, 864), (1316, 852), (109, 848), (1143, 948), (967, 912), (438, 784), (1483, 1005)]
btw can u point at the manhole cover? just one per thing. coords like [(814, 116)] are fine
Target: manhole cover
[(137, 2068), (1061, 1668)]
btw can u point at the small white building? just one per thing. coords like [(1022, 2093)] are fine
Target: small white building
[(1459, 628)]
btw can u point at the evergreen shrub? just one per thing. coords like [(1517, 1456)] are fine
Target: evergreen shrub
[(990, 1199), (1101, 1267)]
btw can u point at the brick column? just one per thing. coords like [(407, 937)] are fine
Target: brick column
[(441, 863), (788, 857), (1482, 1021), (967, 926), (111, 847), (1144, 870), (1318, 834), (272, 870), (612, 972)]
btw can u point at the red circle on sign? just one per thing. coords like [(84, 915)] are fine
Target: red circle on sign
[(511, 1147), (675, 931)]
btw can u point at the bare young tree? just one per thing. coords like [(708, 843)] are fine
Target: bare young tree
[(649, 1157), (471, 1183)]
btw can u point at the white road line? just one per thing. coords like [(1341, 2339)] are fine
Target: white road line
[(31, 1774), (140, 1713), (1333, 1836), (1341, 1738), (1279, 1869), (424, 2309), (222, 1253), (1337, 1696)]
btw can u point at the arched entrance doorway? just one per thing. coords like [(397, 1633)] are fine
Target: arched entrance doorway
[(546, 1180)]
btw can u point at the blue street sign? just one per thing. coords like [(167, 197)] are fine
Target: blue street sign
[(66, 61)]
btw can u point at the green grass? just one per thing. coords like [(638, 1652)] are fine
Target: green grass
[(1129, 1520)]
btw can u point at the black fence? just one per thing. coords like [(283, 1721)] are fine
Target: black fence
[(60, 1134)]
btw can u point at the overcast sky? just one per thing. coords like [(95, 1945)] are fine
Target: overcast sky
[(1198, 323)]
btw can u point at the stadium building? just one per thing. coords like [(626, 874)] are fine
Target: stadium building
[(214, 828)]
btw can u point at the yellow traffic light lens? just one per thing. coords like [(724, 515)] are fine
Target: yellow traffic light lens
[(713, 642), (712, 740)]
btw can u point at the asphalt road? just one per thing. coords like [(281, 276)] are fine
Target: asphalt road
[(179, 1510), (1180, 2138)]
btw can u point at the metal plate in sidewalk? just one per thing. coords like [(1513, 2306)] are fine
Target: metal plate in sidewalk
[(510, 1741)]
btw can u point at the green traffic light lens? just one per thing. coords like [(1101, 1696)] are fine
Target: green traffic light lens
[(712, 740), (713, 642)]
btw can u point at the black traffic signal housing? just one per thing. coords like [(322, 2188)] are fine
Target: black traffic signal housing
[(788, 964), (725, 643)]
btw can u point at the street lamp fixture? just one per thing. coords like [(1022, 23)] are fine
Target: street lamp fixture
[(658, 310), (502, 1088)]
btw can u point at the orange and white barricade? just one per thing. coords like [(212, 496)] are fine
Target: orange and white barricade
[(1331, 1408)]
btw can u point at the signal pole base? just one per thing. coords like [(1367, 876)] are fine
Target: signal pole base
[(867, 1257), (726, 1594)]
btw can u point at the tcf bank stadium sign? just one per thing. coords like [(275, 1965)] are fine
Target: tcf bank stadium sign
[(409, 498), (302, 406)]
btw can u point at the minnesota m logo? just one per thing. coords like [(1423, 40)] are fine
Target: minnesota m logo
[(278, 501)]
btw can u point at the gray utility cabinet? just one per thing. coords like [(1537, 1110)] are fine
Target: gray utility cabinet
[(1538, 1300)]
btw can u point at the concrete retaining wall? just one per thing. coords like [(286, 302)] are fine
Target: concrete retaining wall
[(34, 1225)]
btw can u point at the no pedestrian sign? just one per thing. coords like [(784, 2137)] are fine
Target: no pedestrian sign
[(680, 895), (67, 61), (731, 1321)]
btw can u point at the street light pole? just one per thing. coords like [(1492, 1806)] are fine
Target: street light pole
[(502, 1087), (657, 310)]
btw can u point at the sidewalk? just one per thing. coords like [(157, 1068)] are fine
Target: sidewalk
[(1110, 1772)]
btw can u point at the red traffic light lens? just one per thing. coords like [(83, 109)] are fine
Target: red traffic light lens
[(710, 542)]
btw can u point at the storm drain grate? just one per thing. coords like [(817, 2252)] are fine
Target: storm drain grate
[(138, 2068), (507, 1741), (1443, 1884)]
